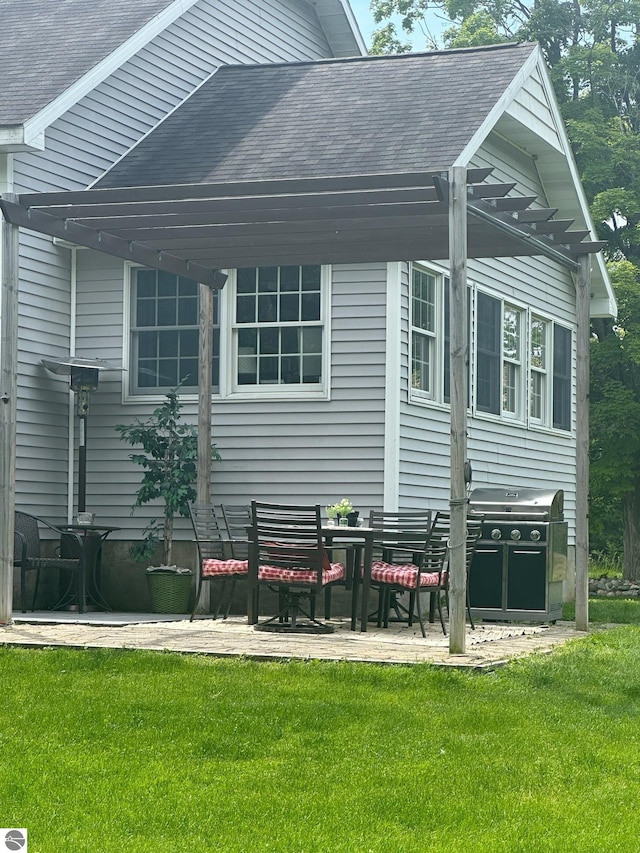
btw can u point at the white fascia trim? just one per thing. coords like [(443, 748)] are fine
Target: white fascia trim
[(393, 342), (38, 123), (533, 63), (14, 139), (354, 26), (499, 108)]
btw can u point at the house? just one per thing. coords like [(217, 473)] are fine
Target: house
[(316, 178)]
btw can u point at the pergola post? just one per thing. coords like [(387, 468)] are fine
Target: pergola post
[(203, 481), (459, 368), (583, 335), (8, 408)]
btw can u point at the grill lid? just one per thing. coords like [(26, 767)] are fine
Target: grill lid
[(520, 502)]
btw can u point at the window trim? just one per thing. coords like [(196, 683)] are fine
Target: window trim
[(276, 392), (130, 392), (435, 397)]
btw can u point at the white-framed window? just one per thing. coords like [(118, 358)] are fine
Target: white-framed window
[(499, 376), (512, 379), (549, 374), (539, 348), (279, 328), (164, 333), (429, 319)]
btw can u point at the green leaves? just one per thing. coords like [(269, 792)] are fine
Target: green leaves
[(170, 469)]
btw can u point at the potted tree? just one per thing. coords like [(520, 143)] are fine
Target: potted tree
[(169, 460)]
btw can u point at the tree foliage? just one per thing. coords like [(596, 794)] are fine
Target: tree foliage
[(169, 461), (592, 50)]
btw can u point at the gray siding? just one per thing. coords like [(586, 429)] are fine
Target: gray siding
[(281, 450), (79, 147), (502, 453)]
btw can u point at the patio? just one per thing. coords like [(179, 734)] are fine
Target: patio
[(488, 646)]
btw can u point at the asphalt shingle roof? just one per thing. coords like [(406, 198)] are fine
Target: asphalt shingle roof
[(334, 117), (47, 45)]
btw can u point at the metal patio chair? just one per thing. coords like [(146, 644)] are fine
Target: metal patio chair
[(27, 556), (412, 527), (287, 554), (215, 566)]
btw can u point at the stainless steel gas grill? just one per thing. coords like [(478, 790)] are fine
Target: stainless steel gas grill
[(521, 558)]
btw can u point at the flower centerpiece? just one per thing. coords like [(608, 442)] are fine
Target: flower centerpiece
[(343, 510)]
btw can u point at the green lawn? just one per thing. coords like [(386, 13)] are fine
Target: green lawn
[(141, 751)]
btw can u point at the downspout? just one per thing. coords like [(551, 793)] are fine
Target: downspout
[(73, 304), (391, 473), (583, 332)]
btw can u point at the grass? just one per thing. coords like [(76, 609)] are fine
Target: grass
[(142, 751)]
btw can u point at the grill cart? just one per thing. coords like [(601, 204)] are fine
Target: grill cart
[(521, 557)]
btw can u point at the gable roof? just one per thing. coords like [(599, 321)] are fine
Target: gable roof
[(370, 115), (47, 47), (54, 51), (327, 161)]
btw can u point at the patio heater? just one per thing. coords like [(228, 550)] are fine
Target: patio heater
[(84, 373)]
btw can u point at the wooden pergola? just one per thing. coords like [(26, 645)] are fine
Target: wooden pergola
[(196, 230)]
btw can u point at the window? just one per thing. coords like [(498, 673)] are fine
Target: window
[(549, 374), (430, 373), (278, 326), (498, 357), (511, 360), (538, 349), (165, 332), (423, 336)]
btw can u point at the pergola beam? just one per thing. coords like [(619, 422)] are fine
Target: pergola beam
[(103, 241)]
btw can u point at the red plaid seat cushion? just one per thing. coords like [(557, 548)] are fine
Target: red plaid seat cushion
[(331, 572), (211, 568), (403, 575)]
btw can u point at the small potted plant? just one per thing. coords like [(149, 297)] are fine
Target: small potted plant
[(170, 471), (344, 511)]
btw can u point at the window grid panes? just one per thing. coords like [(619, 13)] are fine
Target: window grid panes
[(165, 332), (511, 355), (423, 333), (538, 369), (279, 334)]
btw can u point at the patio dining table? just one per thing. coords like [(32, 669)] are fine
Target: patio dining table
[(365, 537)]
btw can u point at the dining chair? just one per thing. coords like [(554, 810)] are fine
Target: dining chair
[(408, 525), (442, 528), (215, 566), (287, 554), (415, 571), (237, 519), (27, 556)]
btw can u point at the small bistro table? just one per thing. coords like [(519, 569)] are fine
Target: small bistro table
[(93, 536)]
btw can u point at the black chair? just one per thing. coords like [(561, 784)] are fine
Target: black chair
[(412, 528), (442, 528), (27, 556), (214, 565), (287, 554), (413, 572), (237, 519)]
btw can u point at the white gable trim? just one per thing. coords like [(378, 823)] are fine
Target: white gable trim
[(602, 290), (34, 127), (340, 27)]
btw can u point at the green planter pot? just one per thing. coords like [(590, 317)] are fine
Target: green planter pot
[(170, 589)]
